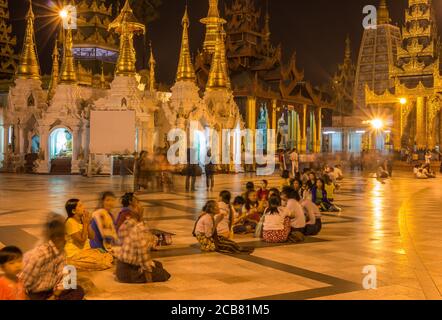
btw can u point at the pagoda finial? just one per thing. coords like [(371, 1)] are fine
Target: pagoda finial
[(383, 13), (217, 76), (186, 71), (347, 48), (213, 23), (267, 32), (29, 67), (126, 25), (68, 74), (152, 64), (55, 69)]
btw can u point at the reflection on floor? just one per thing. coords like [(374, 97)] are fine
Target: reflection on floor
[(394, 227)]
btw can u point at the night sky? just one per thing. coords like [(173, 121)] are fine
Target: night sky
[(316, 29)]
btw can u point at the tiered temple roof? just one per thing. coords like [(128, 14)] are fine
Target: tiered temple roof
[(94, 45), (255, 66), (8, 58)]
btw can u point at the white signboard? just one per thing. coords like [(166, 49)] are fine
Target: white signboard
[(112, 132)]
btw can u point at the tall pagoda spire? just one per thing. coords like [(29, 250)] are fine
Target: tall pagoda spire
[(217, 76), (126, 25), (152, 64), (383, 13), (68, 74), (213, 23), (266, 30), (186, 71), (8, 59), (347, 56), (28, 67), (55, 70)]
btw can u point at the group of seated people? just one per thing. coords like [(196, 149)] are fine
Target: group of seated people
[(275, 215), (423, 171), (89, 242)]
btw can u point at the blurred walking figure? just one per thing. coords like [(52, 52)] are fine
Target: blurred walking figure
[(294, 160), (191, 171), (210, 169), (428, 157), (124, 172)]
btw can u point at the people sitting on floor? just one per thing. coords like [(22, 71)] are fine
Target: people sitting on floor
[(78, 233), (426, 169), (290, 199), (329, 187), (130, 205), (319, 197), (381, 174), (43, 267), (250, 186), (311, 180), (263, 192), (11, 264), (238, 203), (250, 214), (285, 179), (337, 171), (313, 217), (103, 223), (297, 186), (276, 224), (205, 232), (224, 227), (134, 263)]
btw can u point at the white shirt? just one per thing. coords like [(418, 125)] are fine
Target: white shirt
[(297, 213), (205, 226), (338, 173), (223, 227), (294, 157), (312, 210), (273, 222)]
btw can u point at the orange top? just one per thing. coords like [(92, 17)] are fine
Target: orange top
[(10, 290)]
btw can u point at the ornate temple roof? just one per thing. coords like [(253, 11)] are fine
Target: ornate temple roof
[(8, 58), (93, 21)]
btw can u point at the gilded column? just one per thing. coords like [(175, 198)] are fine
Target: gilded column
[(274, 114), (421, 124), (303, 142), (318, 129), (397, 127), (251, 113)]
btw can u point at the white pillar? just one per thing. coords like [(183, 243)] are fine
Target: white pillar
[(76, 144)]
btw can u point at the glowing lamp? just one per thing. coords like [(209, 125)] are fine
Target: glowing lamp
[(403, 101), (377, 124)]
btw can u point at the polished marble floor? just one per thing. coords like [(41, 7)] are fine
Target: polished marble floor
[(394, 227)]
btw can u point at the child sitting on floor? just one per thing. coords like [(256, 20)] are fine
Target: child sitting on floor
[(11, 263)]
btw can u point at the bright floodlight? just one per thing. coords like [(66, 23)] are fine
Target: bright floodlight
[(403, 101), (377, 124), (64, 14)]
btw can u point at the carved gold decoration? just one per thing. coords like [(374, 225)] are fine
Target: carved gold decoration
[(186, 71)]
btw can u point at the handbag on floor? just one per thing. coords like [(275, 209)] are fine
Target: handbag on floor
[(260, 226), (164, 238)]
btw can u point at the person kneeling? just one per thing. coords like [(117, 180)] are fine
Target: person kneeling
[(134, 264), (276, 226)]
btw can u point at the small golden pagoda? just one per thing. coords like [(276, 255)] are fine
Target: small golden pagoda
[(126, 25), (186, 71), (29, 67), (152, 65), (213, 24), (8, 58)]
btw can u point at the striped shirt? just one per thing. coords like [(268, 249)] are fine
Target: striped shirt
[(43, 268), (136, 242)]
